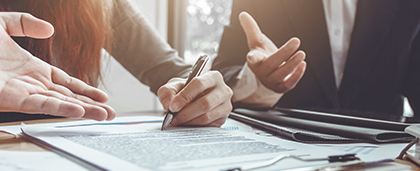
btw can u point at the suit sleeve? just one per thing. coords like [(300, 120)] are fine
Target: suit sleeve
[(233, 45), (411, 87), (140, 49)]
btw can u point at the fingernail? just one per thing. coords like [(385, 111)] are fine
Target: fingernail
[(295, 41), (175, 107)]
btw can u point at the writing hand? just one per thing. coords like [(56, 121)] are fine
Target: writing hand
[(205, 101), (278, 69), (30, 85)]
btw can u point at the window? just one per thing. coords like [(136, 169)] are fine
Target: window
[(200, 24)]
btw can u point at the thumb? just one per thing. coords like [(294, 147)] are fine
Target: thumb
[(253, 33), (23, 24), (254, 58)]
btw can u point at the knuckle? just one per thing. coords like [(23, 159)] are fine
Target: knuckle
[(185, 97), (259, 41), (229, 92), (68, 81), (206, 104), (161, 91), (206, 118), (165, 89), (218, 76), (199, 83)]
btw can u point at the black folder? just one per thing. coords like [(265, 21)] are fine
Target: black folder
[(318, 127)]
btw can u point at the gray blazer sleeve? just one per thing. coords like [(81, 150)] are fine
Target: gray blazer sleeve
[(138, 47)]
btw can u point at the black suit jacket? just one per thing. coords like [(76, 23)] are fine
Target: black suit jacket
[(383, 62)]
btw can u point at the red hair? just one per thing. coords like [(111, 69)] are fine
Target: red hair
[(82, 29)]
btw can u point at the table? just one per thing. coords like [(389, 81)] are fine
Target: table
[(11, 142)]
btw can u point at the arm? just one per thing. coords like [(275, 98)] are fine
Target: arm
[(29, 85), (140, 49), (274, 71), (412, 83), (204, 101)]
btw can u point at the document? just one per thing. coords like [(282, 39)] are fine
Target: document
[(141, 145), (36, 161)]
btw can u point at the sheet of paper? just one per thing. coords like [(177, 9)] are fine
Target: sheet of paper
[(35, 161), (49, 161), (15, 129), (141, 145), (369, 152)]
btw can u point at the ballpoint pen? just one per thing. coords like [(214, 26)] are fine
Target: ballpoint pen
[(196, 71)]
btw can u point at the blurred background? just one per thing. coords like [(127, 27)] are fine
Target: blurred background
[(205, 20), (193, 27)]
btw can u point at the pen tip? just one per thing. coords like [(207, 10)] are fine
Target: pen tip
[(166, 121)]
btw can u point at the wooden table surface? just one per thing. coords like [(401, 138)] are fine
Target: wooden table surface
[(10, 142)]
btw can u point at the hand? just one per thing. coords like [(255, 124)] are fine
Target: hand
[(278, 69), (29, 85), (205, 101)]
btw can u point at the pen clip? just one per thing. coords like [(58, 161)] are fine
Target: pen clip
[(197, 68)]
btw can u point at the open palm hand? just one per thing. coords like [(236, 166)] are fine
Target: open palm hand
[(29, 85)]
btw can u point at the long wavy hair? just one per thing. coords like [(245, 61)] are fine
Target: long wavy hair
[(82, 29)]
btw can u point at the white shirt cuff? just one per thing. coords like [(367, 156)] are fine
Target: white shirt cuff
[(248, 89)]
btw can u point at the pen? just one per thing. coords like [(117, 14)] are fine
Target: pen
[(196, 71)]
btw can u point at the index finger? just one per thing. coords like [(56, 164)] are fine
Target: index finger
[(168, 91), (197, 86), (58, 76), (253, 33)]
